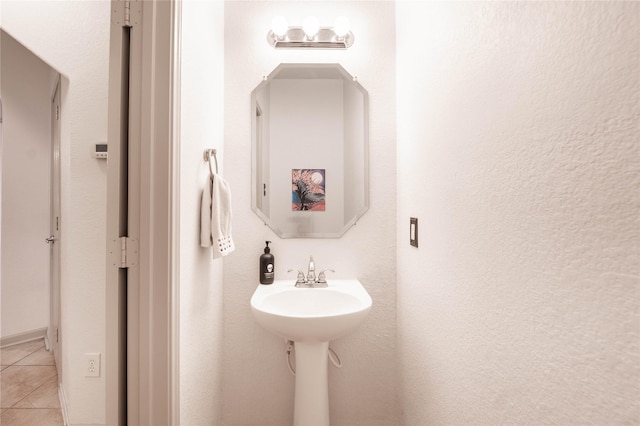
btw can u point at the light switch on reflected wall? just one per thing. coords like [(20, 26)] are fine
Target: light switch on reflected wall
[(413, 231)]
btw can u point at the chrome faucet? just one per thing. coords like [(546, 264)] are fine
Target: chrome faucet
[(311, 271), (311, 281)]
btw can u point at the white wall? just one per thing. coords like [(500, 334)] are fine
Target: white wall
[(73, 37), (258, 388), (26, 89), (306, 133), (518, 151), (200, 276)]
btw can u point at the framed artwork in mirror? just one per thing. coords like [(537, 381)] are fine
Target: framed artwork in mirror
[(308, 190)]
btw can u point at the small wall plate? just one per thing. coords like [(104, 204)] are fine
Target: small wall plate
[(413, 231)]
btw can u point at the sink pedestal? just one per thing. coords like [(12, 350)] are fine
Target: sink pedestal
[(311, 405), (311, 318)]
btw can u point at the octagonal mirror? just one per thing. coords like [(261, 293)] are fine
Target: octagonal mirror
[(310, 137)]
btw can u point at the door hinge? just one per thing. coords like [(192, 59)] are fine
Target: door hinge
[(57, 334), (126, 13), (128, 252), (57, 112)]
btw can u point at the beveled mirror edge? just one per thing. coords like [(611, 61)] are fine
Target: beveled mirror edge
[(253, 105)]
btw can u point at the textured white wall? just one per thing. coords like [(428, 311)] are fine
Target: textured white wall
[(518, 151), (200, 276), (258, 388), (26, 89), (73, 37)]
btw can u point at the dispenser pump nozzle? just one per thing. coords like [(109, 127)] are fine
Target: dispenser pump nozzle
[(267, 249)]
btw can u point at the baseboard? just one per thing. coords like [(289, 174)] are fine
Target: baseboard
[(63, 404), (25, 336)]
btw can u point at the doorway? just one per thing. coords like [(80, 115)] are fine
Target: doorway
[(79, 50), (27, 86)]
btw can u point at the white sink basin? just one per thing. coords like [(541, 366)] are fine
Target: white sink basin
[(311, 314)]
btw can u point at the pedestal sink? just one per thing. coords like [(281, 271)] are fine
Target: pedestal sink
[(311, 317)]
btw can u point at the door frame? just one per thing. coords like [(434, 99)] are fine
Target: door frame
[(54, 338), (142, 305)]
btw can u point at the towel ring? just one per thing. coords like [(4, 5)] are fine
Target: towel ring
[(207, 155)]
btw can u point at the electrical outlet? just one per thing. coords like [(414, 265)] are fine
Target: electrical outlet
[(92, 365)]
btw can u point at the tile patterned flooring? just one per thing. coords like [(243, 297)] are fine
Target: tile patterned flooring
[(29, 386)]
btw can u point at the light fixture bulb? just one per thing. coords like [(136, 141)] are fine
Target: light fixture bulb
[(310, 26), (279, 26), (341, 26)]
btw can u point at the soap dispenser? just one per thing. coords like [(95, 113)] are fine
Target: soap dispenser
[(267, 266)]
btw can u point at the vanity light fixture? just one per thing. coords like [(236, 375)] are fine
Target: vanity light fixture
[(310, 27), (310, 34)]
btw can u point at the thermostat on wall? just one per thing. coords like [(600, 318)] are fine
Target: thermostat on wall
[(100, 150)]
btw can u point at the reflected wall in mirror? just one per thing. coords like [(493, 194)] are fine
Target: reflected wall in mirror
[(310, 139)]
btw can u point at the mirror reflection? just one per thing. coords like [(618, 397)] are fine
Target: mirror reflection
[(309, 150)]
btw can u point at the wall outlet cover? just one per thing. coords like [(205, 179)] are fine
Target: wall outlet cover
[(92, 365)]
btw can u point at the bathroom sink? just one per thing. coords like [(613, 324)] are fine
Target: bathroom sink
[(311, 314)]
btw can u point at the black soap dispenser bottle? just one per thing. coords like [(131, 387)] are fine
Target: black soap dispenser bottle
[(267, 272)]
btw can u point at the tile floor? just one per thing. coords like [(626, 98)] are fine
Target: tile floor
[(29, 386)]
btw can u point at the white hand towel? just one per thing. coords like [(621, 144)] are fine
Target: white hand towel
[(215, 217)]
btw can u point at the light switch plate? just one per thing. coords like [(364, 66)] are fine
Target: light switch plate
[(413, 231)]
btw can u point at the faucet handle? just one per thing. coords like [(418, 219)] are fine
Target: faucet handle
[(322, 279), (300, 279)]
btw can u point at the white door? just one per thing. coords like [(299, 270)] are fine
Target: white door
[(55, 340)]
